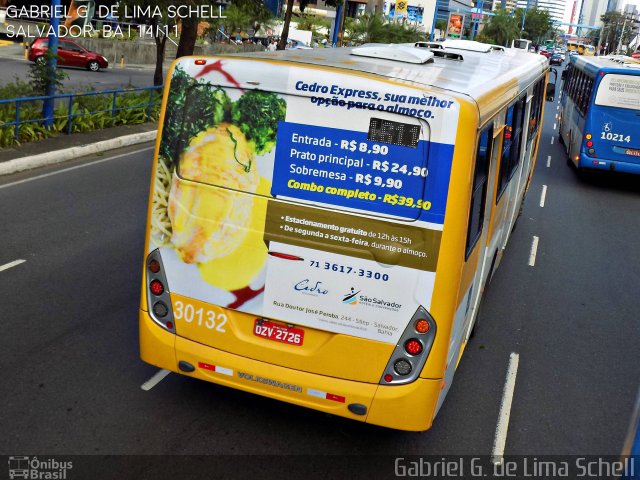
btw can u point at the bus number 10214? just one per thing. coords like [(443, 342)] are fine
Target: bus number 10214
[(615, 137)]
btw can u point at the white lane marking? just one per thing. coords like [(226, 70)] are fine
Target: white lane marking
[(9, 265), (45, 175), (156, 379), (548, 161), (552, 140), (534, 251), (543, 196), (558, 107), (555, 125), (556, 119), (505, 410)]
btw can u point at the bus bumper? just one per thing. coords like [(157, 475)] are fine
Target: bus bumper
[(611, 165), (407, 407)]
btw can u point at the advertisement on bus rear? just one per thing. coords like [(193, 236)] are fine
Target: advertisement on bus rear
[(311, 198)]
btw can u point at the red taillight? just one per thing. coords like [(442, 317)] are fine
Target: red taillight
[(154, 266), (169, 325), (201, 62), (156, 287), (413, 347), (589, 143), (388, 377), (422, 326)]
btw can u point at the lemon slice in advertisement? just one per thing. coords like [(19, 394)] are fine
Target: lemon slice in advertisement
[(238, 269), (208, 222)]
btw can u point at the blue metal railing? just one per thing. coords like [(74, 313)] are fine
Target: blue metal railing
[(75, 99)]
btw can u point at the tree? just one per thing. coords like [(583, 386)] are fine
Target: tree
[(241, 15), (537, 24), (613, 24), (284, 37), (501, 29), (160, 25)]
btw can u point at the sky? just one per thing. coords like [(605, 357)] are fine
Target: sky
[(569, 6)]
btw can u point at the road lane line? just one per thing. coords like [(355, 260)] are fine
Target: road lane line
[(543, 196), (548, 161), (558, 107), (9, 265), (555, 125), (505, 410), (552, 140), (156, 379), (45, 175), (534, 251)]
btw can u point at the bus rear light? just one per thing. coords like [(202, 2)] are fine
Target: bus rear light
[(591, 152), (413, 347), (160, 309), (154, 266), (411, 350), (402, 367), (201, 62), (422, 326), (588, 136), (589, 143), (156, 287), (157, 293)]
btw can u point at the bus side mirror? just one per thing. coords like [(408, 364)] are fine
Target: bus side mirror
[(551, 92)]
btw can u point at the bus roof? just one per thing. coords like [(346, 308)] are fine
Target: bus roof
[(478, 71), (610, 63)]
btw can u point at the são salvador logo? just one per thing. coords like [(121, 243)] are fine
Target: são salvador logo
[(351, 298)]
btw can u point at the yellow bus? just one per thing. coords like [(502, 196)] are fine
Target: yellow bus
[(589, 51), (572, 46), (322, 223)]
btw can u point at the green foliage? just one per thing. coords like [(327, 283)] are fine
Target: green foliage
[(240, 16), (195, 106), (373, 28), (613, 24), (313, 23), (90, 113), (257, 115), (41, 73), (537, 24), (501, 29)]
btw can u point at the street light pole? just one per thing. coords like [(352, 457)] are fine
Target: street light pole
[(52, 63), (433, 24), (624, 24)]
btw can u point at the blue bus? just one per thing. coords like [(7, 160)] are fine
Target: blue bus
[(600, 113)]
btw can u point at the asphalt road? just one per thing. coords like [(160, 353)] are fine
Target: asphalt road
[(72, 376), (81, 80)]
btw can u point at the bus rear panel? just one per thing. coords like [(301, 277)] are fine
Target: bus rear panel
[(295, 231)]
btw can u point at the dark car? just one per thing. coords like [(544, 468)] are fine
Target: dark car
[(71, 54), (546, 53), (556, 59)]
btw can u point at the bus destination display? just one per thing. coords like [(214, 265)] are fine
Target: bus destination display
[(396, 133)]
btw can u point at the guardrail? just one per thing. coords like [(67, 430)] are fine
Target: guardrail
[(71, 106)]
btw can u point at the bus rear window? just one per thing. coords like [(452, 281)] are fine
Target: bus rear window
[(621, 91)]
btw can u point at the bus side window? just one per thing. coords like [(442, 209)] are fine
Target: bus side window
[(479, 192), (518, 122), (511, 145), (507, 142), (536, 107)]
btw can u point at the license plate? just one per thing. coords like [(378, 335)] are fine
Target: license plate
[(279, 333), (630, 151)]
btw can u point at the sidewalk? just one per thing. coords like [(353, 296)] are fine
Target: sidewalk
[(67, 147)]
